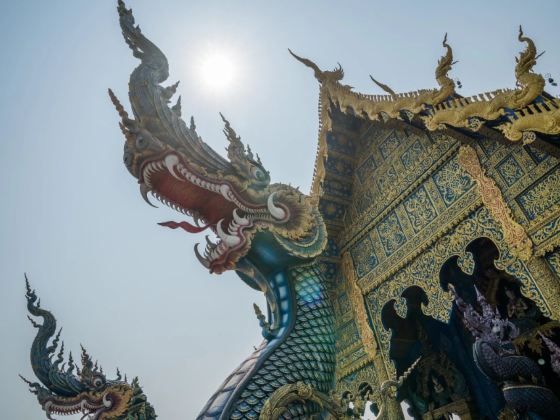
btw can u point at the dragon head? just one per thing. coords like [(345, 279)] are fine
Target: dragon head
[(231, 197), (67, 390)]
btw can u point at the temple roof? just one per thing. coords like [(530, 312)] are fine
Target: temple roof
[(524, 114)]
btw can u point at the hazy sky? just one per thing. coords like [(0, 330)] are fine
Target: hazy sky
[(71, 215)]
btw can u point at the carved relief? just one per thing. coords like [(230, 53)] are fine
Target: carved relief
[(357, 299), (514, 234)]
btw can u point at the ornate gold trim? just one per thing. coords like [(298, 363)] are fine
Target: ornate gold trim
[(374, 106), (514, 234), (353, 367), (412, 250), (543, 118), (300, 392), (397, 195), (442, 105), (537, 280), (357, 299), (469, 112), (325, 125)]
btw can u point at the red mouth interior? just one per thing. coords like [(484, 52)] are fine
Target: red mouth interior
[(209, 205)]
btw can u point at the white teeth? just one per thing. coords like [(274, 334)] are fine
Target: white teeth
[(202, 260), (224, 190), (210, 243), (144, 190), (229, 240), (241, 221), (276, 212), (170, 162)]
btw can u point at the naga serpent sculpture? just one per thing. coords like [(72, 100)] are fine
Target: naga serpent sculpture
[(519, 377), (268, 233), (63, 392)]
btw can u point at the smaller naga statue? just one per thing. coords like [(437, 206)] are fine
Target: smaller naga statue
[(519, 377), (69, 390)]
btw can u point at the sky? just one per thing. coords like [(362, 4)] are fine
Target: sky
[(71, 217)]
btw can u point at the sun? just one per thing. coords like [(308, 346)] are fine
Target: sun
[(217, 71)]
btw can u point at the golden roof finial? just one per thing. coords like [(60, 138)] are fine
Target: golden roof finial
[(444, 65), (527, 58), (529, 84), (383, 86), (320, 75)]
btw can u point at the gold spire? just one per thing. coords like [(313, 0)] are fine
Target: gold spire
[(383, 86), (322, 76)]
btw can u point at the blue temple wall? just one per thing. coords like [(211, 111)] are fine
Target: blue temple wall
[(413, 206)]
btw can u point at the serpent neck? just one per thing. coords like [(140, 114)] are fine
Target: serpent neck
[(306, 353)]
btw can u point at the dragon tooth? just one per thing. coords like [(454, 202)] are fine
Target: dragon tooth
[(171, 161), (229, 240), (276, 212), (241, 221), (209, 242), (225, 190), (200, 258), (144, 190)]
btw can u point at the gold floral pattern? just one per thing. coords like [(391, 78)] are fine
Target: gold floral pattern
[(419, 208), (357, 299), (424, 271), (515, 235)]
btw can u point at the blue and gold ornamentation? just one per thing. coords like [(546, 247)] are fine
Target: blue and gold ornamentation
[(391, 233), (388, 179), (420, 209), (390, 144), (544, 195), (364, 256), (537, 155), (339, 167), (337, 188), (452, 181), (411, 155), (366, 169), (510, 170), (331, 210)]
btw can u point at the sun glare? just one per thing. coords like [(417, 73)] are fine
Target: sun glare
[(217, 71)]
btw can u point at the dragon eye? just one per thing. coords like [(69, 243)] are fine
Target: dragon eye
[(141, 141), (98, 381), (258, 174)]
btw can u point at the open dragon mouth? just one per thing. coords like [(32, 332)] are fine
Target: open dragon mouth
[(91, 409), (92, 406), (211, 205)]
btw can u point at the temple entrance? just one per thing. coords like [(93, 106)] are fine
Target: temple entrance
[(496, 296), (446, 381), (437, 387)]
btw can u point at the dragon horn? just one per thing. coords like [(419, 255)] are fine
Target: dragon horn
[(383, 86), (307, 62), (118, 106)]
